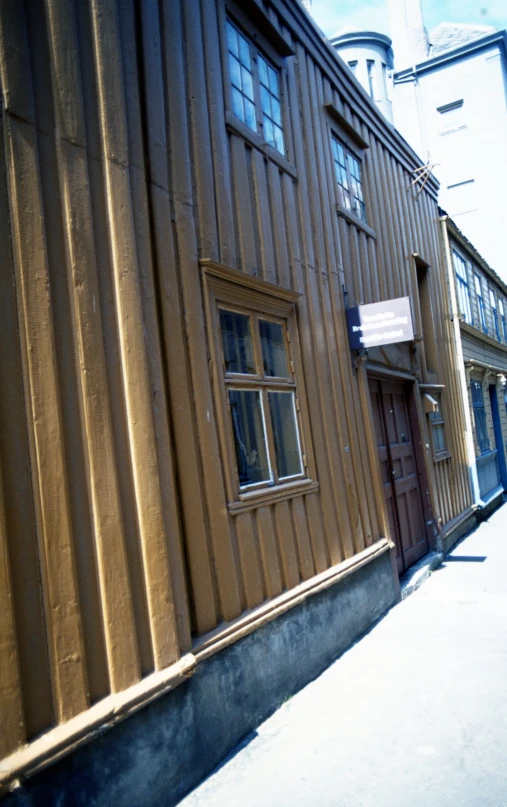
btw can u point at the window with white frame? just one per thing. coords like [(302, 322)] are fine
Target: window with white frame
[(259, 387), (353, 66), (255, 89), (492, 300), (348, 179), (480, 302), (460, 269), (502, 318)]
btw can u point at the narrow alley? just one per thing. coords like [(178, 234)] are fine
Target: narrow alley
[(414, 714)]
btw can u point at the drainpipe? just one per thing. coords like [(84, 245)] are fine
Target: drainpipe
[(469, 440)]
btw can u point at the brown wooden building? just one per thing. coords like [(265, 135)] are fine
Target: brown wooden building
[(201, 486)]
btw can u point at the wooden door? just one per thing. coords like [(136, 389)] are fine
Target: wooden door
[(400, 475)]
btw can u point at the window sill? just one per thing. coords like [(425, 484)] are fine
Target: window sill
[(259, 498), (357, 222), (236, 126), (442, 455), (487, 455)]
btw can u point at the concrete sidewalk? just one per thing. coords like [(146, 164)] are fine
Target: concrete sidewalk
[(414, 715)]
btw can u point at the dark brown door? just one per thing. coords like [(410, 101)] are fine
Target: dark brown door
[(399, 471)]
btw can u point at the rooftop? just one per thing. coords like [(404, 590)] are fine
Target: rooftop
[(451, 35)]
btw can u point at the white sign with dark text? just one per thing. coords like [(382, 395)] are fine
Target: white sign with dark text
[(380, 323)]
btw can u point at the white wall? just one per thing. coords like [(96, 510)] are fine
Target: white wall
[(472, 155), (362, 53)]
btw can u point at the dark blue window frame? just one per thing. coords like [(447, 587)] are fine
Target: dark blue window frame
[(480, 302), (465, 304), (481, 427)]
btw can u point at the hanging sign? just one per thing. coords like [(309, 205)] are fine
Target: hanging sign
[(380, 323)]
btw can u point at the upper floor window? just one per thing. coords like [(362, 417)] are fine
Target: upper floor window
[(502, 318), (480, 302), (353, 66), (349, 180), (481, 426), (255, 89), (263, 420), (385, 82), (492, 301), (370, 66), (437, 429), (261, 398), (451, 117), (460, 268)]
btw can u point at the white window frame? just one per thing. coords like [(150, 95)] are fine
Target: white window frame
[(257, 57), (228, 289)]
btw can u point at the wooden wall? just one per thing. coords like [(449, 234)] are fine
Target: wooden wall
[(118, 173)]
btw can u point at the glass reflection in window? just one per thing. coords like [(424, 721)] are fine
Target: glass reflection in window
[(274, 355), (285, 433), (237, 342), (249, 437)]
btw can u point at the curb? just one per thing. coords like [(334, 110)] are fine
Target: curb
[(419, 573)]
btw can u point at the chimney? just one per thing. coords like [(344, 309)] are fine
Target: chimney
[(410, 37)]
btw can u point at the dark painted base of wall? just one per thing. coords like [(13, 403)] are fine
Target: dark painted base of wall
[(154, 757), (489, 509), (463, 528), (475, 518)]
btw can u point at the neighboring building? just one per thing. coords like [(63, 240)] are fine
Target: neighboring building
[(370, 58), (452, 108), (205, 496), (449, 100), (479, 310)]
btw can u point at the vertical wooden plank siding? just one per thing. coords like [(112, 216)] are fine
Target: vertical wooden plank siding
[(122, 537), (178, 381), (61, 602), (11, 707), (104, 498), (135, 370), (187, 256)]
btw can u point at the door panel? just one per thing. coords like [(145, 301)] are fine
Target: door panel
[(399, 471)]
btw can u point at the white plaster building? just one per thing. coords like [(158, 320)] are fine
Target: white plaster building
[(449, 100), (370, 57)]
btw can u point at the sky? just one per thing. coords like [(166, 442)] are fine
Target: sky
[(332, 15)]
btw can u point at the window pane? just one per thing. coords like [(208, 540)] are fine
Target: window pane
[(274, 356), (285, 433), (481, 428), (268, 131), (250, 115), (235, 70), (343, 198), (265, 101), (244, 51), (237, 104), (232, 39), (263, 72), (276, 111), (237, 342), (273, 81), (279, 144), (249, 436), (247, 83), (438, 438)]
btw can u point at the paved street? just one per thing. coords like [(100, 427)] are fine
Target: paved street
[(414, 715)]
